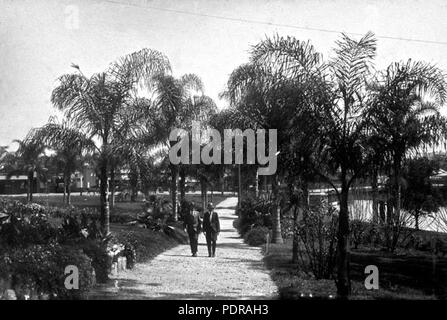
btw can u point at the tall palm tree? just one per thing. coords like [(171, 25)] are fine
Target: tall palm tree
[(97, 105), (403, 114), (272, 92), (343, 133), (180, 102), (251, 92), (298, 67)]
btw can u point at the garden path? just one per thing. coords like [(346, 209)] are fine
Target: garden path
[(237, 271)]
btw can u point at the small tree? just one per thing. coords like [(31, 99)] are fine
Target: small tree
[(418, 195)]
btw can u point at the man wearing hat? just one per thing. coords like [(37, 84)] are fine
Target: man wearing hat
[(193, 224), (211, 227)]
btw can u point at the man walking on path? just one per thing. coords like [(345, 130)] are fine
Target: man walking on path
[(211, 227), (193, 225)]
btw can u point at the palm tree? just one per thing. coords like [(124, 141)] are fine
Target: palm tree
[(342, 146), (251, 92), (298, 67), (180, 101), (29, 158), (272, 92), (69, 143), (97, 105), (403, 114)]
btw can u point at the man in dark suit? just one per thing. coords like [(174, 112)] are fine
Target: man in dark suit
[(211, 227), (193, 225)]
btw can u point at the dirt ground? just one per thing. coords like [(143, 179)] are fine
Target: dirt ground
[(237, 271)]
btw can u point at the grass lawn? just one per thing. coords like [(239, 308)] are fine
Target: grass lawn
[(148, 243), (400, 276), (123, 211), (121, 208)]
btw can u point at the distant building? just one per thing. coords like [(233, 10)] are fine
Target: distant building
[(17, 184)]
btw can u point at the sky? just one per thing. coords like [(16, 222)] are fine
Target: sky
[(40, 39)]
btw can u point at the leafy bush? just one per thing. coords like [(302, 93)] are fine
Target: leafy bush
[(256, 236), (28, 227), (358, 232), (40, 269), (317, 232), (287, 227), (254, 213), (26, 224)]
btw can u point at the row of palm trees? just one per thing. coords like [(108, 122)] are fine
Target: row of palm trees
[(119, 118), (338, 119)]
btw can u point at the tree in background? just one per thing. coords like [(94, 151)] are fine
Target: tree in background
[(403, 114), (419, 196), (69, 144), (29, 159)]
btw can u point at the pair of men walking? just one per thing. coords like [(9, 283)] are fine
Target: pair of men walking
[(211, 227)]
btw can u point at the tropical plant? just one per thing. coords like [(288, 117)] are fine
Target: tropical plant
[(30, 159), (403, 112), (419, 197), (98, 105), (180, 102), (69, 143)]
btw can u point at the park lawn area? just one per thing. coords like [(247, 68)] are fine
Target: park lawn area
[(147, 243), (122, 208), (400, 276)]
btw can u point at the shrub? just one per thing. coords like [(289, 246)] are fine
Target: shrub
[(256, 236), (287, 226), (40, 269), (100, 260), (28, 227), (317, 232), (358, 232), (254, 213), (27, 224)]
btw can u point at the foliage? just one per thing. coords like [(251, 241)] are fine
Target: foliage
[(254, 213), (419, 196), (317, 233), (257, 236), (28, 226), (40, 269)]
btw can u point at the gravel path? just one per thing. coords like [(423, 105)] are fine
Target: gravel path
[(237, 271)]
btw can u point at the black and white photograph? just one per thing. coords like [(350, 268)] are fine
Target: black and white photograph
[(227, 150)]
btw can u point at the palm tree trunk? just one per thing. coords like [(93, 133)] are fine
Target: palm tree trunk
[(222, 180), (416, 220), (397, 188), (104, 192), (64, 189), (277, 236), (239, 186), (295, 245), (174, 183), (29, 196), (343, 279), (375, 195), (134, 177), (202, 193), (257, 184), (112, 187), (182, 184), (68, 190), (301, 206), (206, 192)]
